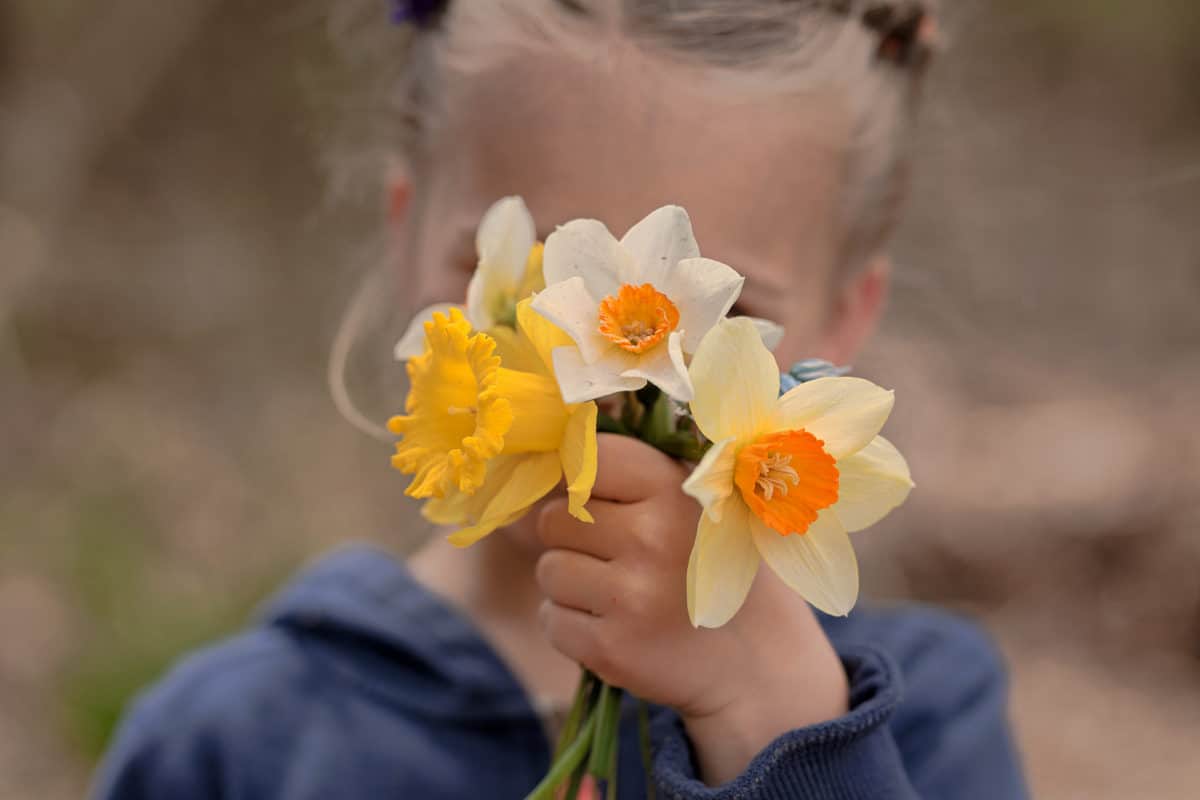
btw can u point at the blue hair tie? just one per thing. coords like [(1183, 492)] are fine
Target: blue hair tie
[(809, 370), (422, 13)]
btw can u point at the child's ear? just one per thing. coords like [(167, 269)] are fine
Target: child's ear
[(858, 307)]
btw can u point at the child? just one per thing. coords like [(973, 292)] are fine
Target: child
[(781, 126)]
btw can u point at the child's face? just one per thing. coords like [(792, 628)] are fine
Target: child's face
[(761, 178)]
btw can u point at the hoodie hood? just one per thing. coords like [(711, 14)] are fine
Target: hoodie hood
[(363, 612)]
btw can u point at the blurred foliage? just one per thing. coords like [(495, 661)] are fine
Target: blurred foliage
[(131, 642)]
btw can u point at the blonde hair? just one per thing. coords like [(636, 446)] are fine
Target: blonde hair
[(873, 53)]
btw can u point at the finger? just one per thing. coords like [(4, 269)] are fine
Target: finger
[(558, 529), (575, 634), (574, 580), (631, 470)]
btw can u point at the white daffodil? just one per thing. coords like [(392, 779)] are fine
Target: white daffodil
[(635, 308), (509, 270), (786, 479)]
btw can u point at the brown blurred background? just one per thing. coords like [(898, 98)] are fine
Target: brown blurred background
[(172, 271)]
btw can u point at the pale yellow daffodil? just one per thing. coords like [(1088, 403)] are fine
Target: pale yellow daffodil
[(487, 433), (787, 478), (508, 271)]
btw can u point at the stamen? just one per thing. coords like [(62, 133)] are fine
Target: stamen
[(776, 475)]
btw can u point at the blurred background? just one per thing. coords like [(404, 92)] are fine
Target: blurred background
[(173, 270)]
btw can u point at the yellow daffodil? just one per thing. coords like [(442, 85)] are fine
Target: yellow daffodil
[(509, 270), (487, 434), (787, 478), (635, 309)]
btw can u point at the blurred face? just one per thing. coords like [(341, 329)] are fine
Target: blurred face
[(760, 178)]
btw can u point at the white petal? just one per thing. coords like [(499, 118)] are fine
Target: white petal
[(735, 382), (586, 249), (722, 567), (579, 381), (871, 483), (711, 482), (703, 290), (506, 234), (412, 343), (481, 299), (664, 367), (819, 564), (570, 307), (771, 332), (844, 413), (658, 243)]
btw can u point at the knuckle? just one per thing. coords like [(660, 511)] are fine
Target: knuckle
[(547, 569)]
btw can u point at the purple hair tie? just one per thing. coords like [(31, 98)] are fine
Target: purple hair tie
[(422, 13)]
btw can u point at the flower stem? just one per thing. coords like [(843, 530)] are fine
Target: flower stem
[(562, 768), (579, 709), (647, 755), (608, 729)]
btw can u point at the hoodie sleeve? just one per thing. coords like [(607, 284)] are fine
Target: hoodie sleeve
[(149, 762), (948, 738)]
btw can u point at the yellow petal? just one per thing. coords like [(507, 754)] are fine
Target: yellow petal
[(578, 454), (539, 414), (516, 352), (542, 334), (844, 413), (819, 565), (872, 482), (531, 478), (722, 567), (735, 382), (453, 509), (712, 479)]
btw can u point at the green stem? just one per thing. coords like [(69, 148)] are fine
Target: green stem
[(608, 729), (610, 791), (579, 708), (647, 755), (566, 764), (606, 424)]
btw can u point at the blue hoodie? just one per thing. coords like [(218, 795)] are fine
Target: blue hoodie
[(361, 684)]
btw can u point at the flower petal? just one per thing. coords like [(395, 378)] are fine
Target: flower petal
[(512, 491), (663, 366), (505, 235), (711, 482), (871, 483), (703, 290), (570, 306), (819, 565), (484, 293), (722, 567), (542, 335), (412, 343), (656, 244), (578, 454), (771, 332), (735, 381), (844, 413), (580, 381), (584, 248)]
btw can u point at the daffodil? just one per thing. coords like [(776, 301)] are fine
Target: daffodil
[(487, 434), (635, 309), (509, 270), (787, 478)]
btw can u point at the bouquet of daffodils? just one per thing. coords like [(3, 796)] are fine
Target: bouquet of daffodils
[(504, 406)]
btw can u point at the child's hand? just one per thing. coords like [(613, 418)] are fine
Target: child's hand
[(616, 603)]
